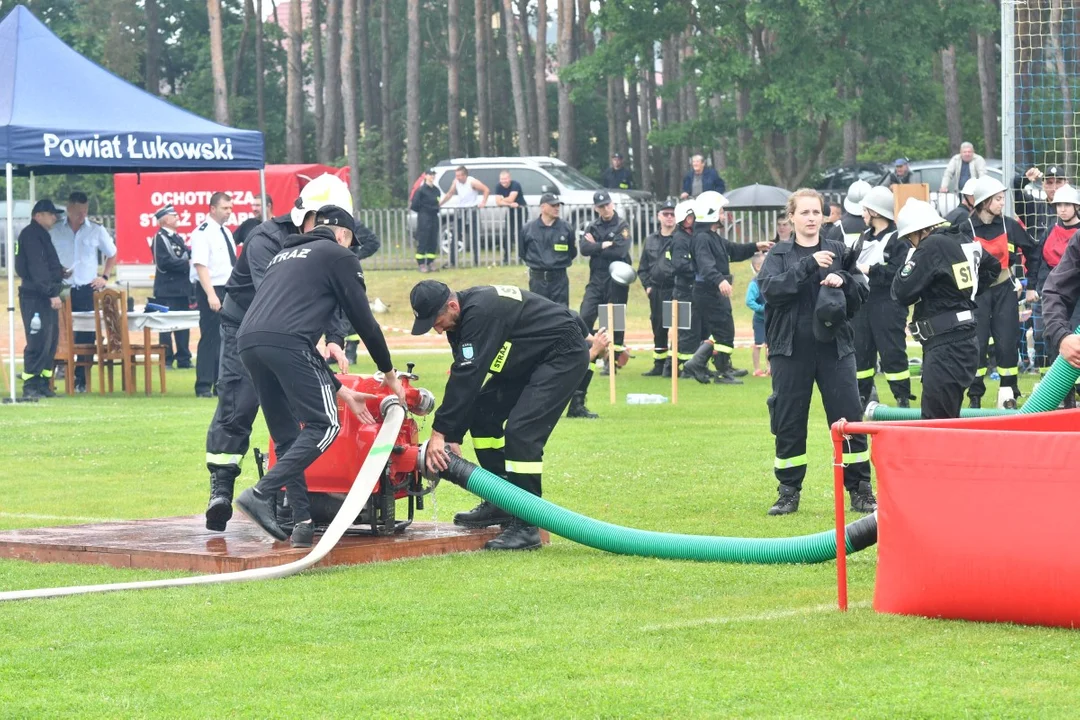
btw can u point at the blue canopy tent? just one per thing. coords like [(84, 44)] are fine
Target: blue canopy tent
[(61, 113)]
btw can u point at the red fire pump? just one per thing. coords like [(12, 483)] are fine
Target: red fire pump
[(331, 476)]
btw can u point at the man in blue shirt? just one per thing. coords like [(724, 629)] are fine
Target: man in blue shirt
[(78, 241), (510, 196)]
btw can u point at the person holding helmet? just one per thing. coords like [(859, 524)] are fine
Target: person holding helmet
[(943, 273), (881, 321), (997, 313), (961, 212), (657, 277), (229, 433), (682, 265), (604, 241), (713, 254), (1052, 250), (851, 224), (810, 296), (294, 386)]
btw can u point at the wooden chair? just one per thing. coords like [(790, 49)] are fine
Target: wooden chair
[(68, 352), (114, 346)]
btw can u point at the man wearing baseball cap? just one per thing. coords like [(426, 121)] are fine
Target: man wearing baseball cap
[(547, 248), (605, 240), (42, 277), (617, 177), (899, 175), (305, 284), (537, 355), (172, 286)]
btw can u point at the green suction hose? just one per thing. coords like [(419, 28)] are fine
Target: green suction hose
[(878, 412), (627, 541)]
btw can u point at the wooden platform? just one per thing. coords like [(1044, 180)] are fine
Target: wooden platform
[(183, 543)]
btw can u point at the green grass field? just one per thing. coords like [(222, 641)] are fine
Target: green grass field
[(563, 632)]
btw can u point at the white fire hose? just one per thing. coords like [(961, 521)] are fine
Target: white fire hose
[(370, 473)]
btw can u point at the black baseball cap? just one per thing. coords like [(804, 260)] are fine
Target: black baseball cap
[(429, 171), (669, 204), (46, 205), (601, 197), (617, 155), (427, 299), (829, 313), (550, 199), (1054, 171), (337, 217)]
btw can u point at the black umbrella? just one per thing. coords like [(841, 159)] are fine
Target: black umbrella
[(754, 197)]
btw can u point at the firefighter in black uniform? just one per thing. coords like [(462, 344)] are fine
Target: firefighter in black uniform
[(682, 265), (425, 203), (1059, 301), (604, 241), (547, 248), (713, 255), (306, 283), (172, 286), (229, 433), (536, 353), (42, 275), (880, 325), (809, 299), (1052, 248), (998, 314), (617, 177), (942, 274), (658, 278)]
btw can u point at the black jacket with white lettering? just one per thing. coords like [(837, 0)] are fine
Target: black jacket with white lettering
[(505, 331), (713, 255), (547, 247), (303, 288), (615, 231)]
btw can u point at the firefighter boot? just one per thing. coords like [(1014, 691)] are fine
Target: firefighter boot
[(219, 509), (697, 366), (863, 500), (577, 407), (657, 369), (482, 516), (725, 374), (667, 369), (518, 535), (787, 502)]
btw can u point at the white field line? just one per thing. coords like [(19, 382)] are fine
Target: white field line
[(760, 617)]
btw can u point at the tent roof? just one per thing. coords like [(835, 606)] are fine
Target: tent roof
[(60, 112)]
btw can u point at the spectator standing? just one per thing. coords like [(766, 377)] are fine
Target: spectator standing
[(42, 277), (783, 228), (605, 240), (172, 282), (701, 179), (658, 278), (471, 195), (256, 219), (756, 303), (899, 175), (617, 177), (425, 203), (213, 254), (78, 241), (965, 165), (510, 196), (547, 249)]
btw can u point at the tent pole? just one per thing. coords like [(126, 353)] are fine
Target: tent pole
[(262, 193), (33, 188), (10, 257)]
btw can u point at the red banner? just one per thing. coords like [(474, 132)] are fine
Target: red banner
[(138, 197)]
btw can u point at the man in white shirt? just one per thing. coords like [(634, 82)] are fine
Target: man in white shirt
[(467, 191), (213, 254), (78, 241)]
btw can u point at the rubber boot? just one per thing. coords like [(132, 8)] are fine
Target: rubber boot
[(577, 407), (724, 372), (657, 369), (697, 366), (517, 536), (219, 510)]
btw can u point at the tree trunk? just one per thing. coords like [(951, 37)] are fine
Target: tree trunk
[(483, 109), (565, 20), (612, 118), (719, 154), (241, 50), (672, 112), (952, 98), (743, 135), (152, 67), (528, 73), (641, 159), (543, 130), (988, 92), (294, 89), (851, 131), (412, 94), (368, 103), (260, 68), (388, 131), (588, 39), (348, 94), (318, 74), (331, 136), (648, 122), (622, 144), (453, 78), (217, 63), (517, 85)]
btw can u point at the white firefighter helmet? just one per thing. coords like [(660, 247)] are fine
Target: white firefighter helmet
[(916, 215), (969, 187), (708, 207), (985, 188), (880, 199), (684, 209), (855, 194), (323, 190), (1066, 194), (622, 273)]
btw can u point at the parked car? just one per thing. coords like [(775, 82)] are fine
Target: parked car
[(931, 172), (839, 179)]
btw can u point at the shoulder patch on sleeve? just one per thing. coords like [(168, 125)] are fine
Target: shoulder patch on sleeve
[(626, 232), (909, 267)]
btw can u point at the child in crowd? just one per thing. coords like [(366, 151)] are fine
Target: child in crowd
[(756, 302)]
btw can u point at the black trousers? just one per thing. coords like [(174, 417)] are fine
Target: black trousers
[(661, 344), (82, 300), (948, 368), (237, 404), (182, 353), (427, 240), (880, 329), (793, 380), (997, 316), (41, 345), (552, 284), (209, 352), (715, 311), (690, 338), (514, 417), (298, 400), (603, 290)]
